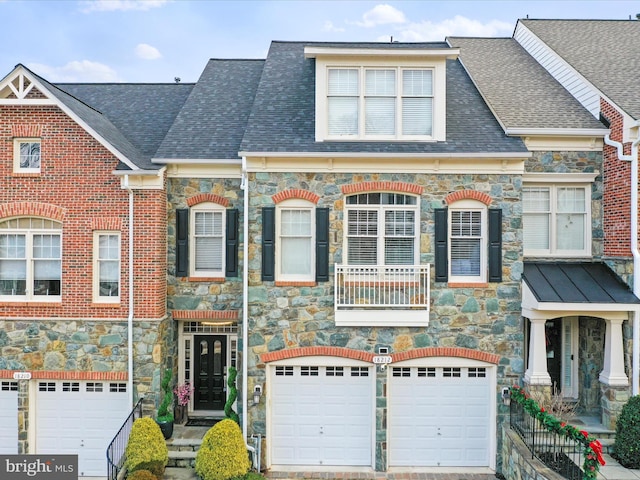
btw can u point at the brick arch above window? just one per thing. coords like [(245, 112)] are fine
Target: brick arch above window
[(295, 193), (447, 352), (32, 209), (207, 197), (106, 223), (31, 130), (317, 351), (467, 195), (399, 187)]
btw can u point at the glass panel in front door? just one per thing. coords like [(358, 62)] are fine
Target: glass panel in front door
[(210, 358)]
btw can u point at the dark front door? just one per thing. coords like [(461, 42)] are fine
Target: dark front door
[(553, 340), (210, 364)]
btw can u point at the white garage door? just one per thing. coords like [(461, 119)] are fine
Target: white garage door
[(8, 417), (439, 416), (321, 415), (80, 418)]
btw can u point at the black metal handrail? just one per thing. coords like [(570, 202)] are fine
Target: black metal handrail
[(116, 449), (562, 454)]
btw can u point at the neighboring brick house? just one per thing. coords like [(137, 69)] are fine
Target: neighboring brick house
[(349, 225), (594, 60), (69, 180)]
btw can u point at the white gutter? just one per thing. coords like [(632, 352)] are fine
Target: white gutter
[(245, 302), (130, 316), (633, 158)]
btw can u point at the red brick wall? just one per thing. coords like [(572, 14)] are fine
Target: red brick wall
[(617, 191), (76, 183)]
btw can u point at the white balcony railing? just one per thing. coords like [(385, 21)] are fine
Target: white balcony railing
[(365, 294)]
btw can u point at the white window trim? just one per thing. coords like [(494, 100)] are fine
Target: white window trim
[(552, 252), (295, 204), (97, 298), (29, 296), (438, 66), (381, 208), (206, 207), (470, 205), (16, 154)]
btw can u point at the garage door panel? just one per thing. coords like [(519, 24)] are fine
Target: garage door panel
[(332, 424), (91, 417), (439, 419), (9, 417)]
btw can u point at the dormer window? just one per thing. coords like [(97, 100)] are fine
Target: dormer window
[(380, 103), (382, 93)]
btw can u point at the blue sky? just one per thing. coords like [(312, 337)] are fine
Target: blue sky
[(158, 40)]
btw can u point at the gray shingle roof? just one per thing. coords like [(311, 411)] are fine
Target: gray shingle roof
[(605, 52), (143, 113), (213, 119), (98, 122), (518, 89), (283, 114)]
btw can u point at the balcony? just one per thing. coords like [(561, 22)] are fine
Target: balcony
[(382, 295)]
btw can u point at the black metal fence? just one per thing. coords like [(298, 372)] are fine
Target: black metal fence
[(562, 454), (115, 450)]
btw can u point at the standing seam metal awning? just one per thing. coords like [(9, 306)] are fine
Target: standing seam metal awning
[(582, 282)]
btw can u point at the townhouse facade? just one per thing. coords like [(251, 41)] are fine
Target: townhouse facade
[(379, 237)]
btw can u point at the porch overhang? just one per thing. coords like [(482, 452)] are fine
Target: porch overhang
[(552, 290)]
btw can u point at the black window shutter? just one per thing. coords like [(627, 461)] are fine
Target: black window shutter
[(495, 245), (182, 242), (322, 244), (268, 243), (231, 250), (441, 245)]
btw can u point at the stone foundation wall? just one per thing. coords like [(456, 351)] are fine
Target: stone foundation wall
[(517, 463)]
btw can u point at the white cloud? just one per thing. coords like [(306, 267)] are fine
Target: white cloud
[(122, 5), (147, 52), (76, 71), (328, 27), (381, 15), (427, 31)]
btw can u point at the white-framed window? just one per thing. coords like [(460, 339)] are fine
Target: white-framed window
[(295, 240), (26, 155), (467, 241), (207, 231), (556, 220), (30, 259), (382, 229), (385, 103), (106, 266)]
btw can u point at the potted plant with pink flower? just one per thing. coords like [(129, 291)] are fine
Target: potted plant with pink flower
[(183, 393)]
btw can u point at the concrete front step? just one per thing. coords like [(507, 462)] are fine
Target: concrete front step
[(184, 459)]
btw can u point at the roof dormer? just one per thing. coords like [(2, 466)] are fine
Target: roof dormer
[(387, 93)]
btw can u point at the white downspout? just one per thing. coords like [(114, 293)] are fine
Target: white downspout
[(130, 315), (633, 158), (245, 302)]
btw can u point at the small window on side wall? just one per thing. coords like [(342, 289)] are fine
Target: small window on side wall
[(26, 155), (106, 267)]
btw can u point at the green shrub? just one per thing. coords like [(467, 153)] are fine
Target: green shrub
[(223, 453), (164, 412), (146, 448), (627, 446), (141, 475), (229, 412)]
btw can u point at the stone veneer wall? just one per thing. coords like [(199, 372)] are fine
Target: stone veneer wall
[(517, 463), (81, 349), (591, 333), (184, 294), (486, 318)]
